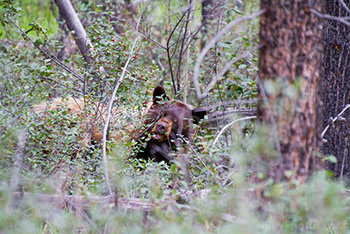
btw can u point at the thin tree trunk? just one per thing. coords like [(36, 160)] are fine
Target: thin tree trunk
[(290, 70), (206, 4)]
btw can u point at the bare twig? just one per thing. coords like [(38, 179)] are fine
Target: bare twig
[(272, 119), (215, 115), (52, 57), (170, 10), (212, 43), (331, 17), (178, 75), (193, 35), (234, 103), (335, 119), (188, 40), (344, 5), (148, 37), (168, 47), (110, 105), (226, 127), (227, 66)]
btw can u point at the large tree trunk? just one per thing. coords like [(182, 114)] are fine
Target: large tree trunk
[(290, 70), (337, 89)]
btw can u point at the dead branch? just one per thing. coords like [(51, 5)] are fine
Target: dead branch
[(168, 47), (226, 67), (110, 105), (330, 17), (79, 202), (226, 127), (333, 120), (48, 54), (83, 202), (212, 42)]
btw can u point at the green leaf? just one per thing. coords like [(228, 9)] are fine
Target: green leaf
[(331, 158), (237, 11), (245, 38)]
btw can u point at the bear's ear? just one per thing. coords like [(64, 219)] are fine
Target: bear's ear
[(199, 113), (159, 94)]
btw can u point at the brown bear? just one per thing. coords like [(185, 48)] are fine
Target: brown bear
[(166, 122), (63, 140), (89, 121), (75, 106)]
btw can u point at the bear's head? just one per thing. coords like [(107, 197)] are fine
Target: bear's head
[(166, 122)]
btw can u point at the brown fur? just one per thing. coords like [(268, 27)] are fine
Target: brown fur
[(177, 119), (90, 123), (167, 120), (162, 129), (75, 106)]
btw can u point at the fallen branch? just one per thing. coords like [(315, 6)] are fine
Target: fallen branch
[(79, 202), (83, 202)]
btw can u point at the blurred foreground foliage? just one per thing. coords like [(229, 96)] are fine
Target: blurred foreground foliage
[(319, 206)]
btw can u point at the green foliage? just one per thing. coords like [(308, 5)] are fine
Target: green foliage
[(144, 179), (222, 187), (315, 207), (55, 146), (37, 12)]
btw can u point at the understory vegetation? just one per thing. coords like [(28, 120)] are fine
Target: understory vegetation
[(229, 161)]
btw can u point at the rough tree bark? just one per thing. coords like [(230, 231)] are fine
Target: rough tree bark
[(336, 94), (290, 64)]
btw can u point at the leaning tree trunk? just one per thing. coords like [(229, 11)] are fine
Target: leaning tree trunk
[(74, 24), (290, 68), (337, 89)]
